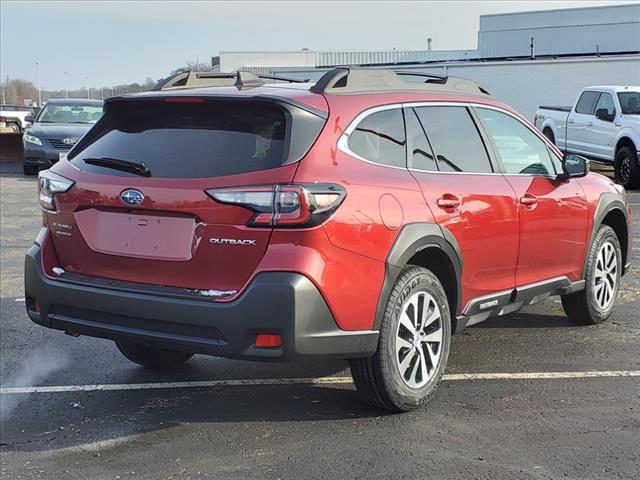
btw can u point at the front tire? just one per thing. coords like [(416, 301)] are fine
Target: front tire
[(626, 168), (594, 304), (413, 347), (152, 357)]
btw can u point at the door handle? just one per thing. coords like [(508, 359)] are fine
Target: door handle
[(590, 124), (448, 201), (570, 120), (528, 200)]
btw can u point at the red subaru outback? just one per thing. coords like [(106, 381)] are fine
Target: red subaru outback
[(368, 216)]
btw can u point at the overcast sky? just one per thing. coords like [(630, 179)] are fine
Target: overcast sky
[(113, 42)]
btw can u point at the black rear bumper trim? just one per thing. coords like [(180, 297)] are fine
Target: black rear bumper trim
[(284, 303)]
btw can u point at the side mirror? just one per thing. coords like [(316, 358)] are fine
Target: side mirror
[(573, 166), (603, 114), (29, 119)]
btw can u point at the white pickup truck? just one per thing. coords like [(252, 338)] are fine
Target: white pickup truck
[(15, 116), (603, 124)]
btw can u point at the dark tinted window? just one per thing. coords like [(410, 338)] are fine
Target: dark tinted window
[(587, 102), (605, 102), (521, 150), (630, 103), (455, 139), (189, 140), (420, 154), (380, 138)]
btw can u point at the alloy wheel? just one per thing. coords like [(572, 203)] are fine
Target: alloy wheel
[(606, 275), (418, 344)]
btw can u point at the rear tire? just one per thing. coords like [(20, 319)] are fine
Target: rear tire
[(413, 347), (152, 357), (594, 304), (547, 132), (29, 170), (14, 127), (626, 168)]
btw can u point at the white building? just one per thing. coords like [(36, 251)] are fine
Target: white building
[(524, 59)]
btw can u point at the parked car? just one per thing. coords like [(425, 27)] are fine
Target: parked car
[(15, 116), (603, 124), (362, 217), (56, 129)]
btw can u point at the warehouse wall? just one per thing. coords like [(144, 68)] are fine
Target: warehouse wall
[(526, 84), (612, 29)]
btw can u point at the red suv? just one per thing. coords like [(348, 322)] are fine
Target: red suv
[(368, 216)]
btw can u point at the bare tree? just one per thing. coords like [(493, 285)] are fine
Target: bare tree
[(190, 66), (17, 90)]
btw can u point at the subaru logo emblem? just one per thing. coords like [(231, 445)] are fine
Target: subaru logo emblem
[(69, 141), (132, 197)]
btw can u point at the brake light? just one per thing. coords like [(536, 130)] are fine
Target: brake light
[(284, 205), (49, 184), (184, 100)]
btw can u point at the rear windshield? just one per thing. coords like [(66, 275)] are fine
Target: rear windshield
[(188, 140)]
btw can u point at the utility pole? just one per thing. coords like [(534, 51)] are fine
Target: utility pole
[(39, 86), (88, 88), (66, 85)]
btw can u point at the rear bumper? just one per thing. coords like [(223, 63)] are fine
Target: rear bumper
[(282, 303)]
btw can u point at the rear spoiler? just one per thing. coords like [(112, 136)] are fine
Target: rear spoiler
[(240, 79)]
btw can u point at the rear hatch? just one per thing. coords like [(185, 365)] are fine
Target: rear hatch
[(142, 208)]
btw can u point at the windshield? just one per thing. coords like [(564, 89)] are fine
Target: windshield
[(630, 102), (69, 113)]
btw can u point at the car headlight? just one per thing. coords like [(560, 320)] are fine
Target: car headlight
[(49, 184), (31, 139)]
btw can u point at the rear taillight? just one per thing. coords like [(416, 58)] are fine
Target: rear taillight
[(284, 205), (49, 184)]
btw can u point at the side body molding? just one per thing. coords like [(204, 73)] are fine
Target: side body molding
[(413, 238)]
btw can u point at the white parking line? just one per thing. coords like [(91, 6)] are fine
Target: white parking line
[(310, 381)]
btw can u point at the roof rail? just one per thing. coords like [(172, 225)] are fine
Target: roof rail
[(240, 79), (364, 80)]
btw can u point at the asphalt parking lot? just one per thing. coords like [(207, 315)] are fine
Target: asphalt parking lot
[(520, 400)]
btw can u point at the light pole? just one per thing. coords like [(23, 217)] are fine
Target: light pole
[(88, 88), (39, 87), (66, 85)]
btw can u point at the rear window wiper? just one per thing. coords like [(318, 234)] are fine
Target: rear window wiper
[(117, 164)]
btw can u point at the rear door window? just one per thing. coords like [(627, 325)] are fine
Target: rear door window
[(455, 139), (190, 140), (380, 138), (587, 103)]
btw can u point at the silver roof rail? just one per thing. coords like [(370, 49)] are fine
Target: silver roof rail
[(347, 80)]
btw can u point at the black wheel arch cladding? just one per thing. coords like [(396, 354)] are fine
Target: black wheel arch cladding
[(413, 239), (611, 203)]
